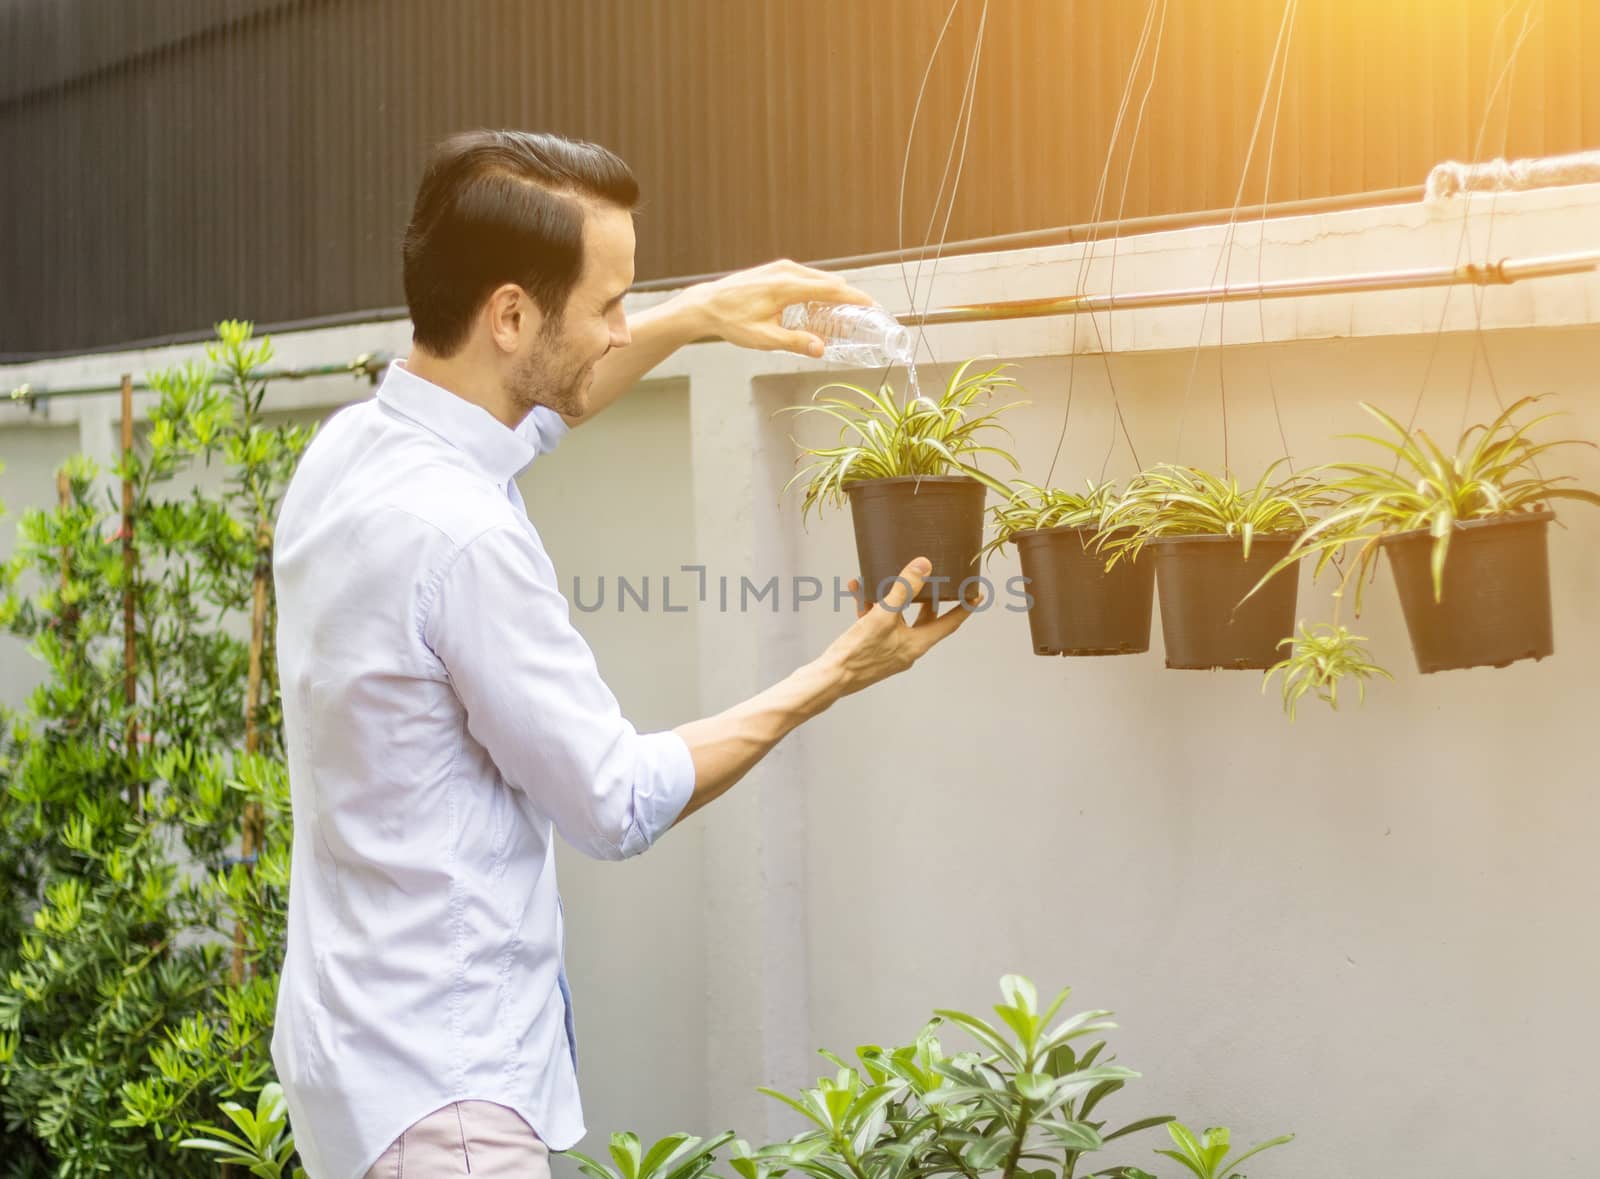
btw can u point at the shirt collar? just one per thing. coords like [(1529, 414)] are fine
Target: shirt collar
[(471, 429)]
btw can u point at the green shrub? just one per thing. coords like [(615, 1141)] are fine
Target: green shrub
[(121, 1025), (1026, 1105)]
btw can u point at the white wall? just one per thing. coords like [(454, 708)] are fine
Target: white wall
[(1366, 927), (1373, 928), (615, 499), (29, 458)]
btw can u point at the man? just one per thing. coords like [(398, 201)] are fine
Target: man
[(443, 718)]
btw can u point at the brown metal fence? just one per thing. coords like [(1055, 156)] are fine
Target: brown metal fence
[(168, 163)]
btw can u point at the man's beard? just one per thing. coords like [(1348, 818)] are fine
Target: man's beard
[(551, 378)]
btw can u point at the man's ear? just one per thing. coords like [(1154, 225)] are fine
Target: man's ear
[(510, 315)]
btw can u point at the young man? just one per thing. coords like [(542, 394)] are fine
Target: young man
[(444, 720)]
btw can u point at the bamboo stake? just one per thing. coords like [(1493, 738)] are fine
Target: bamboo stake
[(253, 831), (253, 834), (130, 679), (69, 612)]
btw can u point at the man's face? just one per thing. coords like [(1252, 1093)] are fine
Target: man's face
[(557, 367)]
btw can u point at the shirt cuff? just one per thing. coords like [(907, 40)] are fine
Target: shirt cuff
[(674, 779)]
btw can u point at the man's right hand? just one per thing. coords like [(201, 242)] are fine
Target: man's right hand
[(878, 644), (881, 641)]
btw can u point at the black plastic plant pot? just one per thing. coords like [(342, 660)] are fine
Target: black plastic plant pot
[(1079, 608), (1202, 581), (939, 517), (1495, 605)]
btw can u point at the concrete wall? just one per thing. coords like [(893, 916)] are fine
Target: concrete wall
[(29, 458), (615, 499), (1373, 928), (1343, 927)]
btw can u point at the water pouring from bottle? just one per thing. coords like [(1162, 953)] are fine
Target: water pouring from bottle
[(861, 337)]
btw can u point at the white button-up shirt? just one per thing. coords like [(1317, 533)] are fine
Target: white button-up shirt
[(442, 719)]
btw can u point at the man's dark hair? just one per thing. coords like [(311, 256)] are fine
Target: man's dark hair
[(497, 207)]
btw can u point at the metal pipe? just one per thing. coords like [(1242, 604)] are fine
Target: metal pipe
[(1102, 232), (1507, 270), (368, 364)]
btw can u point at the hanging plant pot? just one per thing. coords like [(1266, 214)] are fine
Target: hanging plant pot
[(939, 517), (1078, 607), (1495, 605), (1204, 620)]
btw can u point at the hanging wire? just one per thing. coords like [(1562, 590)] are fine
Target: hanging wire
[(1227, 245), (961, 132), (1095, 220), (1480, 341), (1463, 241), (1261, 249), (969, 103), (1111, 281), (1466, 207), (905, 167)]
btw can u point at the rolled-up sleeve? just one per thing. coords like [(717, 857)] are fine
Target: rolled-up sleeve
[(535, 701)]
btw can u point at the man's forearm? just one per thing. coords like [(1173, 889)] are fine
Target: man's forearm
[(725, 747), (657, 333)]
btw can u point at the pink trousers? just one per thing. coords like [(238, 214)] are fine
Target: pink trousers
[(476, 1138)]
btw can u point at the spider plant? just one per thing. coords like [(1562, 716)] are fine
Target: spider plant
[(1076, 605), (1492, 474), (1031, 508), (1168, 501), (1320, 658), (882, 437)]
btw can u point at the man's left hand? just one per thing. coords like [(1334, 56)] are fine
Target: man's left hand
[(743, 308)]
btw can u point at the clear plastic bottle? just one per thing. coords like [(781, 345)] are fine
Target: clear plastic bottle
[(865, 337)]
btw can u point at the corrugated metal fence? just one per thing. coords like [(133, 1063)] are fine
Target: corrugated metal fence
[(169, 162)]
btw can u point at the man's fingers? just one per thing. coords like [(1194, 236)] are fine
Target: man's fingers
[(808, 285), (907, 585), (935, 629), (803, 343)]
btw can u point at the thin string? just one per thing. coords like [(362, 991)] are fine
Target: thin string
[(1466, 207), (1480, 294), (905, 167), (969, 105), (1094, 219), (1095, 214), (1111, 279), (962, 129), (1227, 249), (1261, 247)]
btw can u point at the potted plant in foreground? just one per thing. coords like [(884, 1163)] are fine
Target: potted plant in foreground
[(907, 470), (1465, 534), (1077, 605), (1212, 541), (1027, 1104)]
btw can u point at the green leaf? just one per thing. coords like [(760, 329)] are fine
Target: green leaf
[(806, 1111), (984, 1033), (1074, 1135), (1034, 1086), (987, 1153), (1258, 1148), (660, 1153), (1020, 993), (1141, 1125), (625, 1151)]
